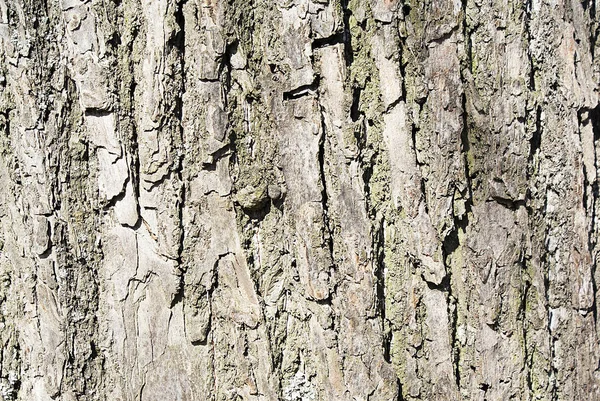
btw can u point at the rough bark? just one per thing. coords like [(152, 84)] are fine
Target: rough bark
[(299, 200)]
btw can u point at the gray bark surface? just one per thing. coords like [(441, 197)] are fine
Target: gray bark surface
[(299, 200)]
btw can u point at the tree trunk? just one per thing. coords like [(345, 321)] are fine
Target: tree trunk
[(299, 200)]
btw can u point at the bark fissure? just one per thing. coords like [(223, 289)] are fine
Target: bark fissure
[(594, 119), (323, 141), (304, 90), (308, 200), (179, 44), (338, 38)]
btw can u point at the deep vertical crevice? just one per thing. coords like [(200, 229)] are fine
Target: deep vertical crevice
[(528, 357), (551, 339), (415, 130), (323, 177), (595, 28), (179, 45), (378, 242), (126, 108), (451, 242), (354, 107), (594, 120), (401, 64), (536, 137), (527, 30), (465, 146), (347, 35), (532, 106)]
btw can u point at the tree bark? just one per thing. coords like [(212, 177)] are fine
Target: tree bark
[(299, 200)]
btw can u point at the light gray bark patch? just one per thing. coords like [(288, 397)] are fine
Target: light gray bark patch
[(298, 199)]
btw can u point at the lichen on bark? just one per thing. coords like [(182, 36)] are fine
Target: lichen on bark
[(298, 200)]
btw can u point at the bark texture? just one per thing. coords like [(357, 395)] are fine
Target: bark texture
[(299, 200)]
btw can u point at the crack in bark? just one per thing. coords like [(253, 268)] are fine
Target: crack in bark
[(536, 139), (591, 5), (336, 39), (527, 29), (522, 316), (465, 149), (304, 90), (355, 113), (594, 120), (511, 204), (179, 44), (378, 242), (347, 37), (324, 194)]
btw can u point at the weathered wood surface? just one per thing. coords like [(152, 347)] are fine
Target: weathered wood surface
[(299, 200)]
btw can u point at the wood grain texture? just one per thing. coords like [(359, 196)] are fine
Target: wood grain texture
[(299, 200)]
